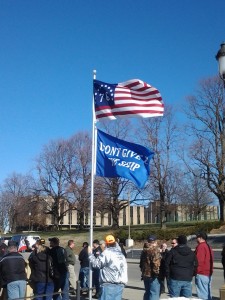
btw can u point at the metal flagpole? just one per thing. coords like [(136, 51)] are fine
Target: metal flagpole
[(129, 241), (93, 169), (129, 215)]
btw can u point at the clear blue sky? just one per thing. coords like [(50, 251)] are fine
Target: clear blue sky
[(49, 48)]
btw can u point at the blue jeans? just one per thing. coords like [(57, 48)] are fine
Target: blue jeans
[(84, 277), (180, 288), (152, 288), (111, 291), (44, 288), (16, 289), (203, 286), (63, 284)]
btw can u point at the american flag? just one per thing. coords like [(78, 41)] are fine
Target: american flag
[(131, 98)]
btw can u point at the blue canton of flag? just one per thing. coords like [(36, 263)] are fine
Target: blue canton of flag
[(118, 158), (104, 93)]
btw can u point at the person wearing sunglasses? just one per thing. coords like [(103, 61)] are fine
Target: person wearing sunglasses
[(180, 265)]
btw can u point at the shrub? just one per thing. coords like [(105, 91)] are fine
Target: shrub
[(143, 232)]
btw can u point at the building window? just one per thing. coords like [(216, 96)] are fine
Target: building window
[(62, 211), (131, 215), (52, 219), (70, 216), (146, 212), (94, 218), (86, 219), (138, 215), (124, 216), (102, 218), (109, 219)]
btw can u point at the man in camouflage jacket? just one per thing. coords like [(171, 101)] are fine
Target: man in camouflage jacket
[(150, 265)]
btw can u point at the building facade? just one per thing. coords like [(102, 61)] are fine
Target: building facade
[(181, 213), (138, 215)]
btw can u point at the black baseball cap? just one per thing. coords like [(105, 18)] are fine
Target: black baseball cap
[(152, 238), (12, 244), (55, 240), (96, 242)]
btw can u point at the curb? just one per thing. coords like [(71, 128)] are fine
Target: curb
[(216, 265)]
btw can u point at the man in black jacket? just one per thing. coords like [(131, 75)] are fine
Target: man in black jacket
[(84, 268), (180, 265), (96, 272), (60, 265), (12, 272)]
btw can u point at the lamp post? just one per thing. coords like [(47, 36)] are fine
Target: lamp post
[(220, 57), (29, 220), (129, 241)]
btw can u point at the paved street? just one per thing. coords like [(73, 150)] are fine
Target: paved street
[(135, 287), (216, 241)]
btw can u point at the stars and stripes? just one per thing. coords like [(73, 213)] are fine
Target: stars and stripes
[(131, 98)]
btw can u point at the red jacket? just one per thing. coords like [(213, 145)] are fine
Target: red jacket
[(204, 255)]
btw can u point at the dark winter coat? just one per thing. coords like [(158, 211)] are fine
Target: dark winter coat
[(12, 268), (97, 251), (181, 263), (59, 259), (40, 267), (83, 258), (163, 263), (223, 257)]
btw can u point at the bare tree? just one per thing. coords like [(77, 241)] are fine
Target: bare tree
[(78, 170), (52, 179), (160, 134), (4, 212), (195, 194), (206, 111), (108, 196), (15, 192)]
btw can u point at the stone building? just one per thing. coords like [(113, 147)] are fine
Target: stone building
[(180, 213), (139, 215), (71, 218)]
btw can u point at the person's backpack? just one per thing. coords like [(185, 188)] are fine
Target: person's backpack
[(61, 256), (50, 267), (52, 271)]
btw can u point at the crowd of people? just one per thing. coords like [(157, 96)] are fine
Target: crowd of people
[(177, 266), (52, 270), (53, 274)]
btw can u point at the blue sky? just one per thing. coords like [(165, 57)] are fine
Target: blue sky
[(49, 48)]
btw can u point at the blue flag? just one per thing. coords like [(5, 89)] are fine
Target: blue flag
[(118, 158)]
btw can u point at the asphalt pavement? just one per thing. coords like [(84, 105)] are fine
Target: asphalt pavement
[(134, 290)]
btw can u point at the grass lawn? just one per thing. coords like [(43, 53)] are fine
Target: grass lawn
[(138, 232), (78, 236)]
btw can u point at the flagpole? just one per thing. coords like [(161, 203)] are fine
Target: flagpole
[(93, 169)]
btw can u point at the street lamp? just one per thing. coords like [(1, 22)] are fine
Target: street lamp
[(29, 220), (220, 57)]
